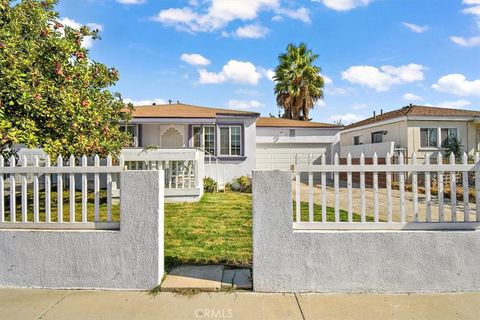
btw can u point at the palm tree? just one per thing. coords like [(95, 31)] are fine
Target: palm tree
[(298, 83)]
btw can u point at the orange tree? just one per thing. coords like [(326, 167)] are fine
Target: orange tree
[(52, 96)]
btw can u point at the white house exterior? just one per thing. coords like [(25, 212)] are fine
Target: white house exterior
[(411, 129)]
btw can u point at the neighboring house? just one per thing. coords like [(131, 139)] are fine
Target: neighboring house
[(418, 129), (282, 142), (239, 140)]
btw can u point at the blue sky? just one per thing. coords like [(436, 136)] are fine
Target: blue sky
[(375, 54)]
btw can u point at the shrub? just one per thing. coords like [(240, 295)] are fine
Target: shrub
[(228, 187), (245, 184), (209, 185)]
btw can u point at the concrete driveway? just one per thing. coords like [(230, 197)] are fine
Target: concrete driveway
[(66, 304), (369, 200)]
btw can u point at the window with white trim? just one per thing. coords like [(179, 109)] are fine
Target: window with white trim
[(131, 130), (428, 137), (204, 137), (447, 134), (230, 140)]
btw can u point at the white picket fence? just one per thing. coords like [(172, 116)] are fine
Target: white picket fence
[(404, 172), (17, 175)]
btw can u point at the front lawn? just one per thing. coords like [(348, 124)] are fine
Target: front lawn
[(217, 229)]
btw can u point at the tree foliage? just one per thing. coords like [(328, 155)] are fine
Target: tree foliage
[(298, 82), (52, 96)]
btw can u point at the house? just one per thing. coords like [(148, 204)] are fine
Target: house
[(411, 129), (234, 142)]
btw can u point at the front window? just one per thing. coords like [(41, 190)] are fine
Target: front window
[(230, 141), (204, 137), (357, 140), (377, 137), (428, 137), (447, 135), (130, 129)]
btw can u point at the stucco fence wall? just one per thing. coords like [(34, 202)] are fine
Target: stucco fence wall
[(129, 258), (285, 260)]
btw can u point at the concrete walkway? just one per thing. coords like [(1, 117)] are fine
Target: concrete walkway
[(66, 304)]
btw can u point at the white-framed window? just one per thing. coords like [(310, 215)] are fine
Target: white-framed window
[(204, 137), (230, 140), (447, 134), (132, 130), (428, 137)]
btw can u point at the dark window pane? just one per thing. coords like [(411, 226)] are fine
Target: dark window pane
[(235, 147), (197, 137), (209, 136), (224, 141)]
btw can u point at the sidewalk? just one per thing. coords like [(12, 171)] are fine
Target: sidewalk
[(66, 304)]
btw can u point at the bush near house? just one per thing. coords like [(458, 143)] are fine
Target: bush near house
[(209, 185)]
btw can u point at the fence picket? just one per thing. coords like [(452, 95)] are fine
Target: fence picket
[(375, 189), (24, 191), (388, 161), (401, 176), (466, 200), (72, 190), (297, 198), (109, 190), (453, 190), (2, 192), (60, 190), (441, 213), (337, 190), (310, 196), (349, 186), (84, 190), (415, 189), (96, 189), (363, 210), (428, 194), (13, 203), (477, 187), (48, 202), (36, 196), (324, 190)]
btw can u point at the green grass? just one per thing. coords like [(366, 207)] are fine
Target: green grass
[(66, 207), (217, 229)]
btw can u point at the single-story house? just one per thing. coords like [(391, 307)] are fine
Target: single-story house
[(411, 129), (234, 142)]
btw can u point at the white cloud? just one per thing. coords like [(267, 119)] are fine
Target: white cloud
[(267, 73), (194, 59), (466, 42), (242, 72), (220, 13), (87, 41), (131, 1), (458, 84), (471, 2), (415, 27), (475, 10), (360, 106), (453, 104), (411, 97), (344, 5), (346, 118), (384, 78), (326, 80), (147, 102), (252, 31), (244, 104)]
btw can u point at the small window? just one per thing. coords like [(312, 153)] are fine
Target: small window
[(357, 140), (292, 132), (231, 141), (197, 137), (448, 134), (377, 137), (428, 137)]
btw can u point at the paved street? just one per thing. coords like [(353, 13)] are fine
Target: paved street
[(67, 304)]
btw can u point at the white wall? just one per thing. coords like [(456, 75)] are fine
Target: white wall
[(368, 150), (285, 260), (395, 132), (129, 258), (302, 135)]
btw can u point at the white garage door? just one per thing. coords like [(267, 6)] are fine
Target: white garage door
[(282, 156)]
